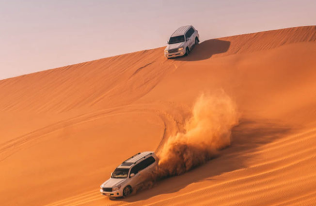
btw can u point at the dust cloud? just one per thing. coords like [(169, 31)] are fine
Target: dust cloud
[(206, 132)]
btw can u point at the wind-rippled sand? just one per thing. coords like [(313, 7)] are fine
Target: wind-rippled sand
[(63, 131)]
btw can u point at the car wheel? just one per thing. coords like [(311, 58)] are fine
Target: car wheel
[(127, 191), (187, 51), (196, 41)]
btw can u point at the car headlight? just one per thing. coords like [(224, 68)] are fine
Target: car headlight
[(166, 51), (116, 188), (181, 48)]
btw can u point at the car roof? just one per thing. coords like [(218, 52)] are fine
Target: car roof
[(134, 159), (181, 31)]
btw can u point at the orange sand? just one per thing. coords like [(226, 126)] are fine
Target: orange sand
[(64, 130)]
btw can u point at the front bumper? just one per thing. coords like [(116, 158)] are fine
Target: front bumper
[(117, 193), (176, 54)]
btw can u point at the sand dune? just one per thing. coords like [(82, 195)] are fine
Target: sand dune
[(63, 131)]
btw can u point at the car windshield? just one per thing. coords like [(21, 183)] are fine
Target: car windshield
[(176, 39), (120, 173)]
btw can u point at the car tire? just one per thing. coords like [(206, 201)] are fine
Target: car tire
[(196, 41), (187, 51), (127, 191)]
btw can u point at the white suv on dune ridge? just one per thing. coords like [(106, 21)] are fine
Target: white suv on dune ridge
[(129, 175), (182, 41)]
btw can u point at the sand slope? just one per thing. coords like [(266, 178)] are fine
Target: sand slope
[(64, 130)]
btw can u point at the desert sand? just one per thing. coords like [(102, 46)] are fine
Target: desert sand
[(63, 131)]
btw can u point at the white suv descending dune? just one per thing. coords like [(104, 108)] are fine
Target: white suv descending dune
[(182, 41), (130, 174)]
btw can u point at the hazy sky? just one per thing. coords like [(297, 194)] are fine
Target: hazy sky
[(38, 35)]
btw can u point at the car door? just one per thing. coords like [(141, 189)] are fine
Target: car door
[(190, 37), (137, 170), (187, 39), (143, 171), (134, 179), (150, 166), (193, 36)]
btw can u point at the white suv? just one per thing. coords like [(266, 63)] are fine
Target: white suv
[(182, 41), (130, 174)]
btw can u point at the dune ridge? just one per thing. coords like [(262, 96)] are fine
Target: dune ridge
[(69, 80), (63, 131)]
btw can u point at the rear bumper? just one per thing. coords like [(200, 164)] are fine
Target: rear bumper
[(116, 193), (176, 54)]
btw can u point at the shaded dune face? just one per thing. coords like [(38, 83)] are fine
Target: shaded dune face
[(246, 102)]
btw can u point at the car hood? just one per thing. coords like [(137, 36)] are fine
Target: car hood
[(112, 182), (175, 46)]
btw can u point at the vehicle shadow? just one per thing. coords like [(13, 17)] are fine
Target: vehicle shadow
[(206, 50), (247, 137)]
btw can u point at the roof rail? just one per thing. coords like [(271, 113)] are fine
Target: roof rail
[(132, 157), (143, 157)]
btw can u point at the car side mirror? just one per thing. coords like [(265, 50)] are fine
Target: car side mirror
[(132, 175)]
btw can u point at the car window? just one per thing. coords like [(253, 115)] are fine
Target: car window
[(187, 34), (149, 161), (191, 31), (142, 165), (176, 39), (145, 163), (120, 173), (135, 169)]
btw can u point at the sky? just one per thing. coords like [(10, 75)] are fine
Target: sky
[(37, 35)]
